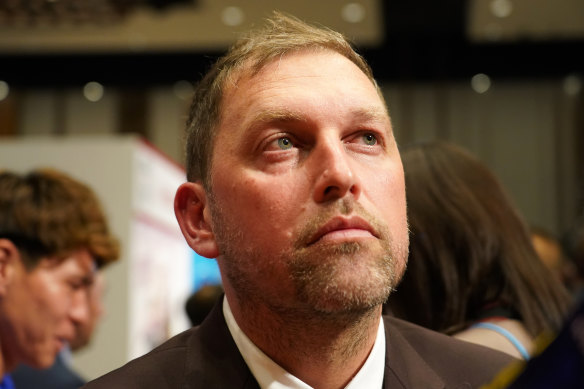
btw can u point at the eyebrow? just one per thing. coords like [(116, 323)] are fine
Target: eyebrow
[(276, 116), (372, 114)]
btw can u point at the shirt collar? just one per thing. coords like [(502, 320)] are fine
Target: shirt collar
[(272, 376)]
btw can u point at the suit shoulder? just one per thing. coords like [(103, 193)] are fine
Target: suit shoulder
[(453, 359), (163, 367)]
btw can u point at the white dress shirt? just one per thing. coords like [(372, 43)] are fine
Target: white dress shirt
[(270, 375)]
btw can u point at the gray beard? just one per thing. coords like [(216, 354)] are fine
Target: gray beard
[(319, 272), (320, 283)]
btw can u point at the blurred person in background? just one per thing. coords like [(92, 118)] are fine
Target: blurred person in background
[(574, 246), (560, 256), (61, 375), (472, 272), (200, 303), (85, 332), (549, 249), (53, 238)]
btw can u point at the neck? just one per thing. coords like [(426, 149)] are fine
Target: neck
[(323, 350)]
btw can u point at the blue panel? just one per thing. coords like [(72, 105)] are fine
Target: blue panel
[(205, 271)]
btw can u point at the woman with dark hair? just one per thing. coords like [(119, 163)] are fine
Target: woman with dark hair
[(472, 271)]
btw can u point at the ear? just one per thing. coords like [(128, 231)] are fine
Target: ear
[(192, 211), (9, 257)]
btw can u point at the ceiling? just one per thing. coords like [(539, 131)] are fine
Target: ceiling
[(146, 42)]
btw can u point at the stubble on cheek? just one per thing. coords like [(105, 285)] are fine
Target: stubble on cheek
[(253, 272)]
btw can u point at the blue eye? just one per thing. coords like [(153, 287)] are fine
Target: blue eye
[(370, 139), (285, 143)]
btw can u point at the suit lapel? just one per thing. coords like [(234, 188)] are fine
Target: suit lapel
[(404, 367), (213, 359)]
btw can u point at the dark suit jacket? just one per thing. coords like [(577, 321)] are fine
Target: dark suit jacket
[(207, 357)]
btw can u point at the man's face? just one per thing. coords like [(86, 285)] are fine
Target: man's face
[(42, 308), (307, 189)]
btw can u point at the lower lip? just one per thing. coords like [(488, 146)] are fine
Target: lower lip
[(348, 235)]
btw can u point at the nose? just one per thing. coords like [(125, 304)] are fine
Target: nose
[(334, 171), (79, 312)]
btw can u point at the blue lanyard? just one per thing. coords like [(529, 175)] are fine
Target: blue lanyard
[(506, 334)]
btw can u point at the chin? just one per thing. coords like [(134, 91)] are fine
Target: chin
[(43, 361), (356, 293), (336, 308), (351, 278)]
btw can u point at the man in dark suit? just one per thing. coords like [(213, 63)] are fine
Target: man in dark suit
[(295, 185)]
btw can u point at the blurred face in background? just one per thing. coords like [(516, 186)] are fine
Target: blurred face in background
[(85, 329), (550, 252), (41, 308)]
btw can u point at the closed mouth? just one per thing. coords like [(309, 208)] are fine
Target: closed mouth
[(343, 223)]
